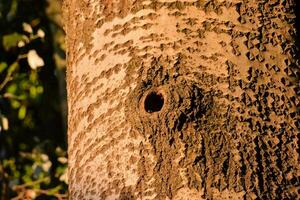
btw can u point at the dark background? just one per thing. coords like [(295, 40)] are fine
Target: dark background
[(32, 100)]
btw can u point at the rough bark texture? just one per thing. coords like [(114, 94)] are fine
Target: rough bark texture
[(182, 99)]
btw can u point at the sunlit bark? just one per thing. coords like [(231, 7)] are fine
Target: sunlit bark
[(182, 99)]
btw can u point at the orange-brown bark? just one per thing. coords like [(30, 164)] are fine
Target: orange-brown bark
[(182, 99)]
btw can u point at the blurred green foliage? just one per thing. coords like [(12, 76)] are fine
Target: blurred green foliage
[(33, 158)]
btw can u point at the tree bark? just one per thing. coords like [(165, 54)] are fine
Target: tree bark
[(182, 99)]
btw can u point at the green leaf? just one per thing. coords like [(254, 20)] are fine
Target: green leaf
[(11, 40), (27, 178), (3, 66), (54, 190), (22, 112), (12, 89), (15, 104), (13, 10), (12, 68), (40, 89)]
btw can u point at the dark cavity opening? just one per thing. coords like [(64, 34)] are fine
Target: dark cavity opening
[(154, 102)]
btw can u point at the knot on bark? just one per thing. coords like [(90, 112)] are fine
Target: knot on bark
[(164, 101), (165, 107)]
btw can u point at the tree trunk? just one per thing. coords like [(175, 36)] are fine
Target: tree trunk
[(182, 99)]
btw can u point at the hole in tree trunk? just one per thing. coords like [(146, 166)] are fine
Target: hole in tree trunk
[(154, 102)]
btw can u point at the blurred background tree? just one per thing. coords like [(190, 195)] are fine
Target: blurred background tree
[(33, 158)]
